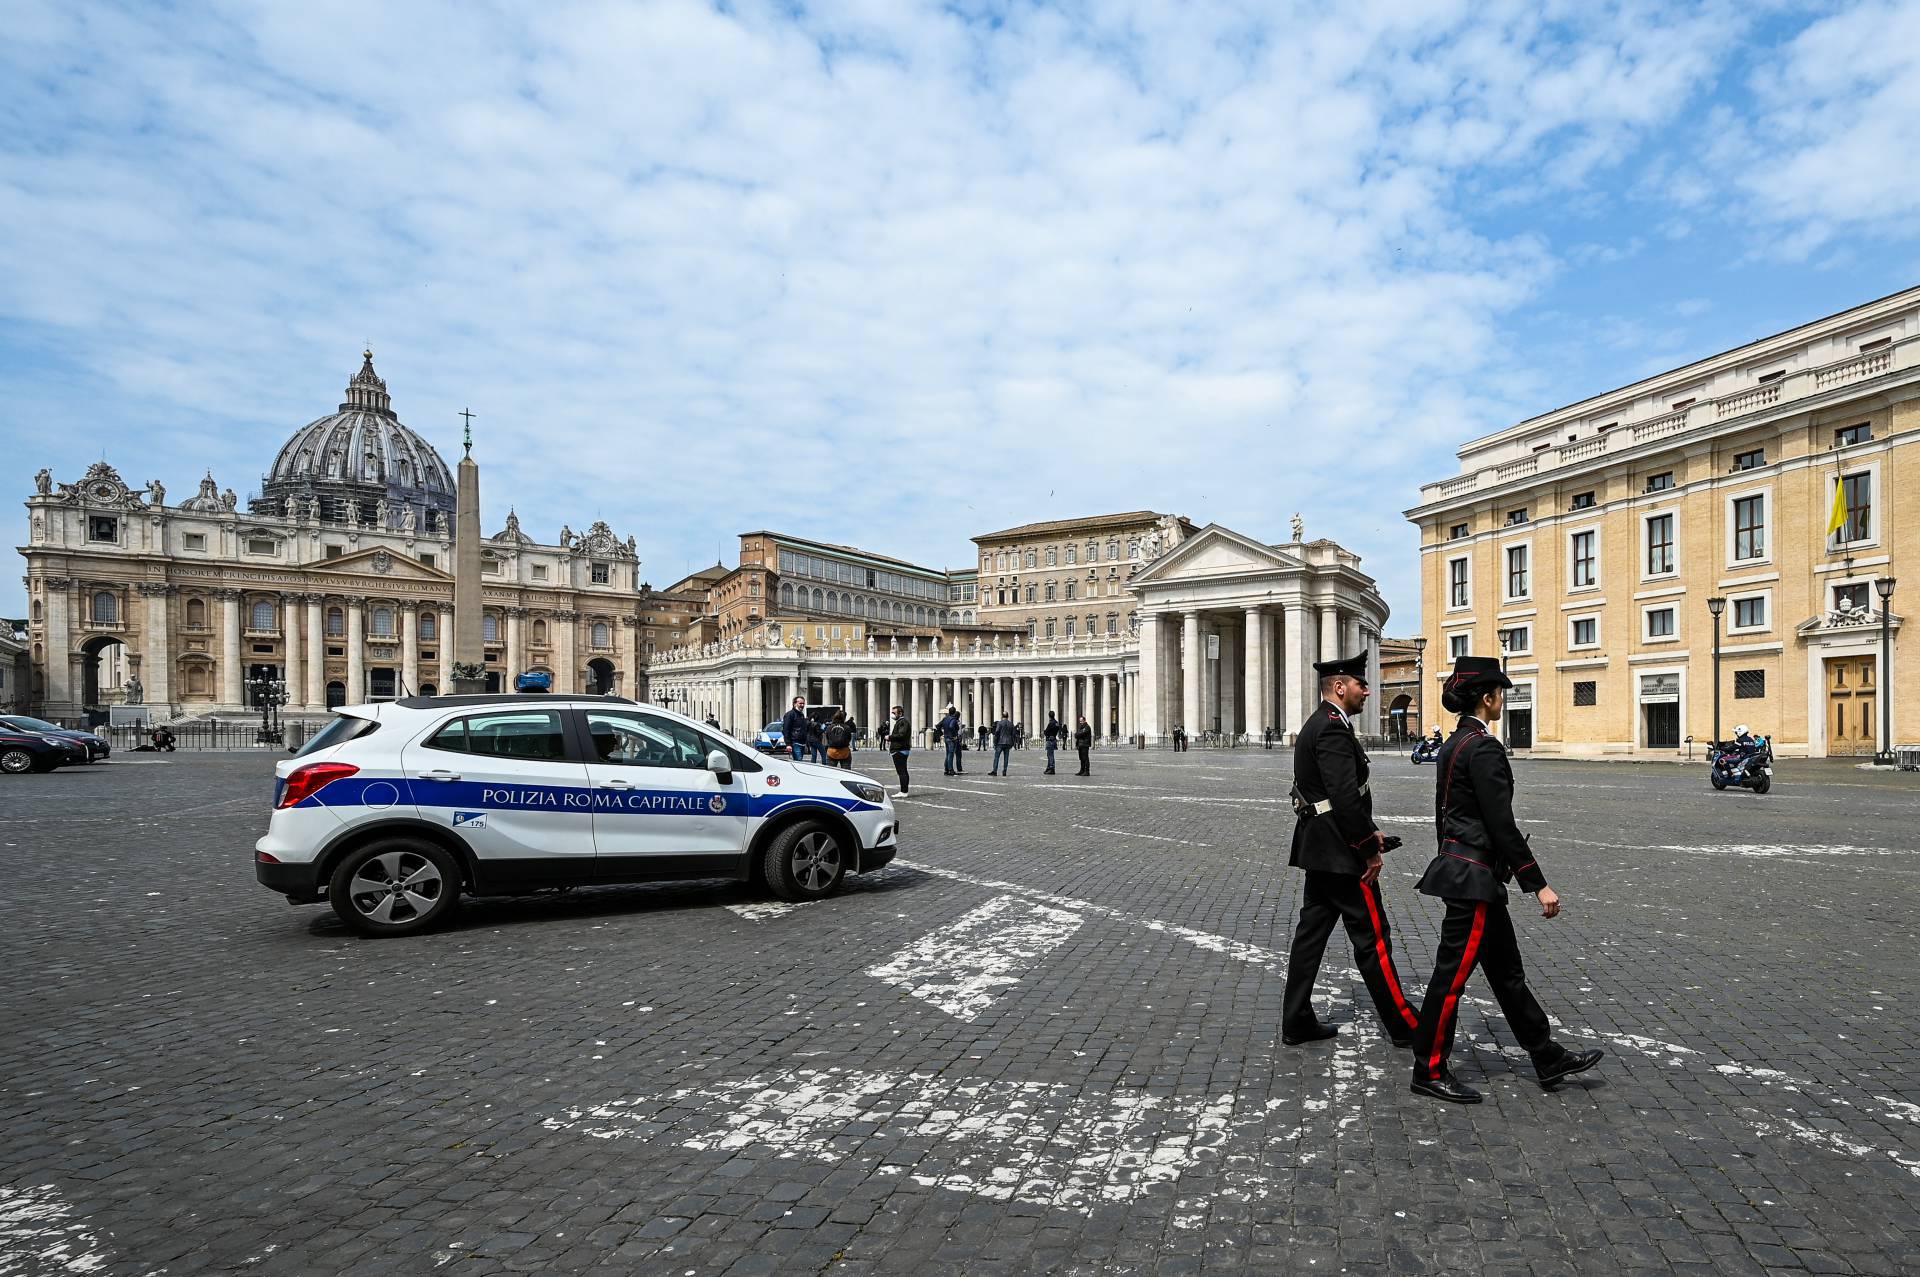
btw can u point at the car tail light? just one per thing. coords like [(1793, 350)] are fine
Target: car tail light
[(305, 782)]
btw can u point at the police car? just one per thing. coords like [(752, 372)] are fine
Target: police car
[(396, 809)]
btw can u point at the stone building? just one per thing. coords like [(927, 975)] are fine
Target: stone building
[(335, 578), (1229, 629), (816, 593), (1590, 544), (1067, 578), (1397, 699)]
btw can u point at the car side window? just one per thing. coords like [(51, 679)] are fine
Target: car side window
[(642, 740), (519, 733)]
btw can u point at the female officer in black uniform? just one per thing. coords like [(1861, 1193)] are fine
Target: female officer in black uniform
[(1481, 849)]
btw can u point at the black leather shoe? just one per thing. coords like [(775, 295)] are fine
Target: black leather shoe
[(1567, 1065), (1446, 1087), (1313, 1033)]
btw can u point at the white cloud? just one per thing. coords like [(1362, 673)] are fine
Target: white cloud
[(878, 273)]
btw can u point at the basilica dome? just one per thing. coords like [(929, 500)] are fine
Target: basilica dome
[(359, 464)]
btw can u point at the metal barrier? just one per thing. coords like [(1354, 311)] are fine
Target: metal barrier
[(1908, 757), (210, 734)]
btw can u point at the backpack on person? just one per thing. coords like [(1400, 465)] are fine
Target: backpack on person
[(839, 742)]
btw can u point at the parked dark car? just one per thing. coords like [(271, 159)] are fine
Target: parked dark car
[(32, 752), (97, 747)]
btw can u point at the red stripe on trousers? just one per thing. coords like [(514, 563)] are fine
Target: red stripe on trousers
[(1386, 957), (1459, 982)]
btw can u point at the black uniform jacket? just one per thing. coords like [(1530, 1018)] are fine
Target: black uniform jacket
[(1328, 763), (1481, 848)]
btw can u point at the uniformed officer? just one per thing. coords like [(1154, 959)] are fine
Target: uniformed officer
[(1336, 842), (1481, 850)]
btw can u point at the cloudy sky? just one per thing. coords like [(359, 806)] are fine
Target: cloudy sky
[(894, 274)]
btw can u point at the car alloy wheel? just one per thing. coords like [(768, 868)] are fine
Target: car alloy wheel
[(394, 887), (15, 761), (816, 862)]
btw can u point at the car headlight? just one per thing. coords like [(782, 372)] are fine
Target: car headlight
[(864, 792)]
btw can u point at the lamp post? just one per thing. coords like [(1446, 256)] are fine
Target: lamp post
[(1506, 640), (1716, 605), (269, 694), (1886, 755)]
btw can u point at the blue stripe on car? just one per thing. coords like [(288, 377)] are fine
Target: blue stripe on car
[(474, 795)]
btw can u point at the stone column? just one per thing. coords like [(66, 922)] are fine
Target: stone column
[(158, 674), (232, 689), (1376, 712), (516, 649), (565, 633), (1301, 690), (316, 651), (1274, 716), (1330, 633), (1256, 669), (63, 694), (1350, 632), (1230, 681), (356, 651), (1193, 665), (410, 647), (290, 644), (1146, 684)]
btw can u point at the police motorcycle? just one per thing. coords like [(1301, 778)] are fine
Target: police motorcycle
[(1746, 761), (1427, 748)]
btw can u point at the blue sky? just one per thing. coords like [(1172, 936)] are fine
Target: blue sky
[(896, 275)]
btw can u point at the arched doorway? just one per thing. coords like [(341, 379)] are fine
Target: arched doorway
[(1398, 716), (336, 694), (105, 672), (600, 676), (428, 689)]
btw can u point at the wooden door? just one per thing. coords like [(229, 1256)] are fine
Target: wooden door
[(1852, 731)]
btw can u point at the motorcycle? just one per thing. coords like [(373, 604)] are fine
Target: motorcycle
[(162, 740), (1749, 769), (1425, 750)]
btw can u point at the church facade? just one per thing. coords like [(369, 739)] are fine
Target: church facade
[(335, 578)]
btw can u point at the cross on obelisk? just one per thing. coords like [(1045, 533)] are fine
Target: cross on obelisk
[(467, 434)]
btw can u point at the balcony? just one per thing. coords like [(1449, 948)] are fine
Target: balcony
[(1659, 422)]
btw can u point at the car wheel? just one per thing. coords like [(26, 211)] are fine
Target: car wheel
[(15, 761), (394, 888), (804, 861)]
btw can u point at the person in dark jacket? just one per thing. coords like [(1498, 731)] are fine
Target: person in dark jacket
[(1054, 731), (1083, 744), (838, 738), (900, 744), (1005, 736), (796, 730), (1481, 850), (985, 732), (950, 732), (1336, 842)]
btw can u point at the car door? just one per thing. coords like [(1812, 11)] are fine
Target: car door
[(506, 781), (658, 812)]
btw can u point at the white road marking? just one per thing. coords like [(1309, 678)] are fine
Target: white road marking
[(761, 910), (965, 966), (1768, 851), (1049, 1144), (921, 802), (39, 1234), (1128, 833)]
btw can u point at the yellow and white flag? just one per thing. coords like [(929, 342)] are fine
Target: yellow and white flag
[(1838, 519)]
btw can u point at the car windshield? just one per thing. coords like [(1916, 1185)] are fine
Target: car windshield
[(771, 728), (33, 724)]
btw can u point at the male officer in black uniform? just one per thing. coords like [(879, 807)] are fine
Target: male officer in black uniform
[(1337, 843)]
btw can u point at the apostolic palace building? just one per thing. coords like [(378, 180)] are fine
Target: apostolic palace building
[(1764, 497), (335, 578)]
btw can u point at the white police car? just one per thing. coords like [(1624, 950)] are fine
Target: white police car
[(396, 809)]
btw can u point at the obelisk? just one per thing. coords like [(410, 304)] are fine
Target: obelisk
[(469, 655)]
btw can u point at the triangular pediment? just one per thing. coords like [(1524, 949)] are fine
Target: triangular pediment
[(379, 561), (1215, 551)]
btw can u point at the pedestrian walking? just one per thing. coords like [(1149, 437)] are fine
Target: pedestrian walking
[(1340, 848), (1004, 736), (853, 733), (839, 741), (1053, 732), (1083, 744), (900, 744), (1481, 850), (950, 733), (985, 734), (1179, 739), (795, 729)]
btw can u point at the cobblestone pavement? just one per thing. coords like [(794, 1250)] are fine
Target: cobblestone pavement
[(1044, 1042)]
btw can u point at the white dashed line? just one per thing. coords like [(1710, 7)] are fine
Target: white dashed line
[(1128, 833)]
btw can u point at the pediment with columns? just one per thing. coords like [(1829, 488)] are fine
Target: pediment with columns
[(1215, 552)]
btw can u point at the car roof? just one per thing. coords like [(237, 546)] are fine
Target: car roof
[(507, 698)]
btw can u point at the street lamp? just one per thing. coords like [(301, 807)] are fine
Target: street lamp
[(1886, 755), (1506, 640), (269, 694), (1716, 605)]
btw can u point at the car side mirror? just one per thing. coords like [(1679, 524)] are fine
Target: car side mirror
[(721, 766)]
